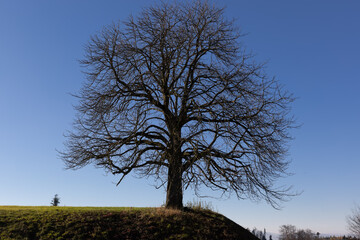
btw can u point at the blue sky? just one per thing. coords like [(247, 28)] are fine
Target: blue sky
[(312, 47)]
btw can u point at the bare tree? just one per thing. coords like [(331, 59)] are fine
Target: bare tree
[(305, 234), (172, 94), (288, 232), (354, 222)]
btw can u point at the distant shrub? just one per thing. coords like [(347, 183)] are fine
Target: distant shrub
[(55, 201)]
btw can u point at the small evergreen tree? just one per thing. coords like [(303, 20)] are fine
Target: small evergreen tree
[(55, 201), (264, 235)]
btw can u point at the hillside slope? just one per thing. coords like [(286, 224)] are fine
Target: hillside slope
[(116, 223)]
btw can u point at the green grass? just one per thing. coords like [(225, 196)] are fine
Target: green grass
[(18, 222)]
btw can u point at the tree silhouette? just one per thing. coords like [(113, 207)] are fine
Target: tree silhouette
[(172, 94), (288, 232), (354, 222), (55, 201)]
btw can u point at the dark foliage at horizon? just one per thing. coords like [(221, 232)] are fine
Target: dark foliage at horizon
[(290, 232)]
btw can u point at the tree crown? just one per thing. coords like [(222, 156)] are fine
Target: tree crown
[(173, 89)]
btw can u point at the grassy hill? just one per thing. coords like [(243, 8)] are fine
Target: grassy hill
[(116, 223)]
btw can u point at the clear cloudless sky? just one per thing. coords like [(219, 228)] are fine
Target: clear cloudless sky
[(312, 47)]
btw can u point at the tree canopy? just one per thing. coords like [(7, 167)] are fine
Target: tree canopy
[(172, 94)]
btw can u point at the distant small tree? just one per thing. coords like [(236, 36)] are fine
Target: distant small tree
[(55, 201), (256, 233), (264, 235), (290, 232), (259, 234), (305, 234), (287, 232), (354, 222)]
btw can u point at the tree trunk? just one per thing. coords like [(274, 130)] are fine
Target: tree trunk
[(174, 192)]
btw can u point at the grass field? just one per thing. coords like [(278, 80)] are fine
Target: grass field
[(18, 222)]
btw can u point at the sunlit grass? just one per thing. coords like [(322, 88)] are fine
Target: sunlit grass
[(51, 208), (49, 222)]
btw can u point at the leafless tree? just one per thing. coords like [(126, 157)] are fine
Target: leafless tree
[(288, 232), (171, 93), (305, 234), (354, 221)]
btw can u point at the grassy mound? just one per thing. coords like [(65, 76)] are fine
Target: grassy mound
[(115, 223)]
